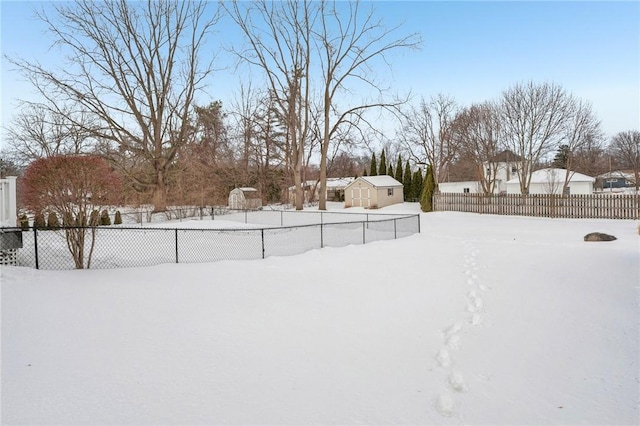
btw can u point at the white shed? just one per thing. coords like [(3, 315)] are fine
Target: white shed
[(373, 192), (244, 199), (551, 181)]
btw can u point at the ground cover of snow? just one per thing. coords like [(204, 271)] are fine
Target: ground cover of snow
[(476, 320)]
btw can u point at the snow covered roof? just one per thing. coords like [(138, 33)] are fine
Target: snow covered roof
[(380, 181), (247, 189), (618, 174), (555, 175)]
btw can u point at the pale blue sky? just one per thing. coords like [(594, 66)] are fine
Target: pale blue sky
[(472, 51)]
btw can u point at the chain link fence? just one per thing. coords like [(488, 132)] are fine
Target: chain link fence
[(274, 233)]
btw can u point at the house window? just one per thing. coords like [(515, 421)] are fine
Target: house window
[(465, 190), (390, 192), (513, 169), (488, 171)]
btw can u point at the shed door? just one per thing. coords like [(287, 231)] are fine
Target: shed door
[(236, 202), (360, 197)]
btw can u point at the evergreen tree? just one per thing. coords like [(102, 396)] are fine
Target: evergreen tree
[(94, 219), (382, 170), (390, 170), (398, 170), (52, 221), (24, 222), (416, 184), (105, 220), (118, 218), (374, 166), (364, 172), (406, 182), (39, 221), (562, 157), (429, 188)]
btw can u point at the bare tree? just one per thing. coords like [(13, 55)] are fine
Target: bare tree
[(477, 130), (348, 41), (38, 132), (427, 133), (278, 36), (135, 68), (625, 146), (534, 121), (580, 129)]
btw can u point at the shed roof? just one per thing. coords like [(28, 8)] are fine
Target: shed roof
[(380, 181)]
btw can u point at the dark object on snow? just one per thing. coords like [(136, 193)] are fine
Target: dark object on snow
[(599, 236)]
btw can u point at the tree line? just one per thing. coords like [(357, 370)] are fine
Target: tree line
[(131, 95)]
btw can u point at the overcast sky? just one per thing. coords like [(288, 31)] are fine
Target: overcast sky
[(471, 51)]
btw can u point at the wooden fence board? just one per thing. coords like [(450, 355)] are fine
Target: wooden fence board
[(593, 206)]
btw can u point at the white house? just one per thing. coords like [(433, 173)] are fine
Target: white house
[(373, 192), (464, 187), (551, 181), (496, 172)]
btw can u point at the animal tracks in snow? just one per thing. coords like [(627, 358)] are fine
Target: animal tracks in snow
[(455, 382)]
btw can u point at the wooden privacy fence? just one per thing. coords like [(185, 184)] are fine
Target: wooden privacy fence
[(594, 206)]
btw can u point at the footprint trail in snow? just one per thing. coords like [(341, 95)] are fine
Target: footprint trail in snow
[(455, 382)]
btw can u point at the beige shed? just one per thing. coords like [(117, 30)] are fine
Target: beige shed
[(373, 192), (244, 199)]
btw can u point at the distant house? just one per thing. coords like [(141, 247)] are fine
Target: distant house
[(244, 199), (496, 171), (463, 187), (615, 181), (311, 188), (373, 192), (551, 181), (500, 169)]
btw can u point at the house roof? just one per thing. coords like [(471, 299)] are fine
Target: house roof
[(506, 156), (555, 175), (380, 181), (618, 174)]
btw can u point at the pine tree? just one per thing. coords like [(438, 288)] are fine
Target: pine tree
[(408, 185), (398, 170), (416, 183), (426, 199), (94, 219), (24, 222), (364, 172), (390, 170), (105, 220), (39, 221), (118, 218), (374, 166), (52, 221), (382, 170)]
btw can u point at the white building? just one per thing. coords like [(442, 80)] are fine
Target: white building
[(551, 181), (8, 209), (496, 172)]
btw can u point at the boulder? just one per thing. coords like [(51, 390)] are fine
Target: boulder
[(599, 236)]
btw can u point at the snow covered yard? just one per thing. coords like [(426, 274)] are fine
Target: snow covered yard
[(477, 320)]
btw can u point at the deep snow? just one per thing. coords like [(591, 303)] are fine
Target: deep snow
[(477, 320)]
